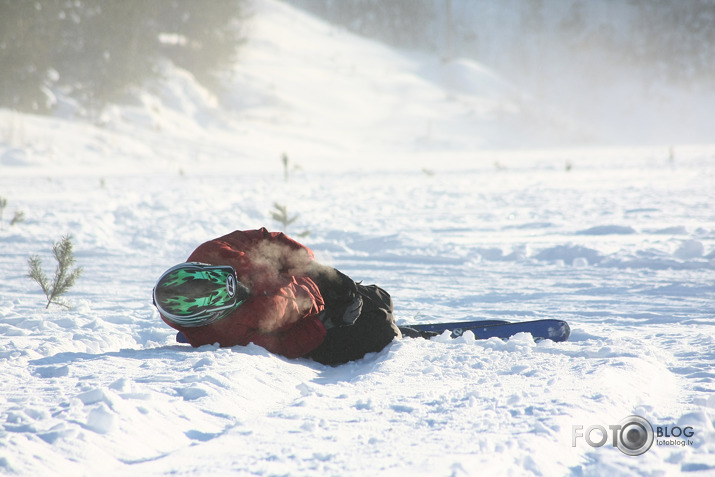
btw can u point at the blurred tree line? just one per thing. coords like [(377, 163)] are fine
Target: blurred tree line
[(677, 40), (95, 50), (669, 41), (403, 23)]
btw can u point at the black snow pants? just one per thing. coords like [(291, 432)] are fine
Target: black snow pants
[(374, 329)]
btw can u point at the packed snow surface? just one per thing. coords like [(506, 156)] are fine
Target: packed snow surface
[(392, 174)]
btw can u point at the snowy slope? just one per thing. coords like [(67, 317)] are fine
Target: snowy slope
[(304, 88), (394, 191)]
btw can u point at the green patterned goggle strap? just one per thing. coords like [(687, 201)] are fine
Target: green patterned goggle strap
[(196, 294)]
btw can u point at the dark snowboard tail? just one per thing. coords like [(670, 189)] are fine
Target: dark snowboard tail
[(555, 330)]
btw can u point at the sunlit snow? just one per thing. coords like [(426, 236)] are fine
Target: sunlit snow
[(401, 170)]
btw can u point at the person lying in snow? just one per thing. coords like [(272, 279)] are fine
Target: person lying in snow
[(263, 287)]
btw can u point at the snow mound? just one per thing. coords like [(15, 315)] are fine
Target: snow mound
[(467, 77)]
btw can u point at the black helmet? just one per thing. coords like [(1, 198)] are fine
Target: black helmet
[(196, 294)]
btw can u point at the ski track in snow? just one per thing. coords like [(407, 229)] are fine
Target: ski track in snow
[(622, 246)]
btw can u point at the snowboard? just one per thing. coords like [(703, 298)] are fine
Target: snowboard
[(555, 330)]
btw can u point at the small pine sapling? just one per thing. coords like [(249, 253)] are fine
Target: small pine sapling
[(18, 217), (288, 166), (65, 276), (280, 214), (286, 161), (3, 204)]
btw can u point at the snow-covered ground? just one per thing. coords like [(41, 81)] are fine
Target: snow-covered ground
[(398, 185)]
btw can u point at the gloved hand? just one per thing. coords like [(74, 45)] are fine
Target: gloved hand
[(344, 316), (343, 303), (352, 311)]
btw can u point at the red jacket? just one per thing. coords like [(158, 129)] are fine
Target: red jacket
[(281, 314)]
